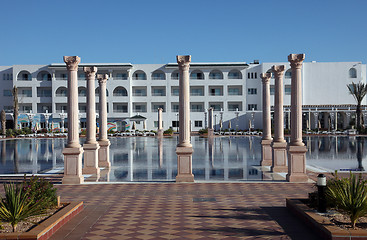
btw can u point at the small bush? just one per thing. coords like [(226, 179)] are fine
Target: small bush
[(40, 190), (168, 131), (203, 131), (9, 132), (349, 196)]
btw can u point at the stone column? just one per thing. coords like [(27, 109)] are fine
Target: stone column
[(184, 148), (104, 143), (279, 145), (266, 151), (160, 125), (91, 145), (210, 123), (73, 151), (296, 149)]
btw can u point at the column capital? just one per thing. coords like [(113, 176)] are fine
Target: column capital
[(278, 70), (90, 72), (183, 61), (296, 60), (72, 62), (265, 77), (102, 78)]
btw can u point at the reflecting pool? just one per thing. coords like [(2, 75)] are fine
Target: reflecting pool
[(153, 159)]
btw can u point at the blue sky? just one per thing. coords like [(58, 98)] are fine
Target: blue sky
[(137, 31)]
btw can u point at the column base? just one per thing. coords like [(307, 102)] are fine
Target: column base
[(297, 164), (104, 154), (279, 163), (72, 166), (91, 159), (184, 164), (266, 153)]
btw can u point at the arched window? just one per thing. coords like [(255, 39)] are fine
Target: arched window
[(288, 73), (44, 76), (197, 74), (24, 76), (215, 74), (62, 92), (139, 75), (175, 75), (119, 91), (352, 73), (234, 74), (158, 75), (82, 92), (120, 76), (97, 92)]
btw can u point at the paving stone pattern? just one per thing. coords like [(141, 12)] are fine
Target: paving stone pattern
[(184, 211)]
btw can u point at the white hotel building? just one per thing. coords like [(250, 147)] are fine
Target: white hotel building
[(233, 89)]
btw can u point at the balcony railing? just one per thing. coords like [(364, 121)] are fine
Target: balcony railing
[(158, 78), (159, 94), (196, 110), (139, 94), (120, 110)]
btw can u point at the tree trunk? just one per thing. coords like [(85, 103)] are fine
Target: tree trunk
[(358, 116)]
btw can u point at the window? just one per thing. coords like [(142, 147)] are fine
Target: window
[(216, 106), (120, 92), (175, 75), (197, 107), (119, 108), (82, 108), (175, 124), (252, 75), (287, 89), (139, 91), (155, 107), (255, 75), (175, 91), (288, 73), (156, 124), (61, 92), (44, 76), (82, 92), (252, 91), (64, 76), (251, 107), (139, 107), (158, 91), (81, 76), (215, 74), (196, 91), (272, 89), (248, 75), (120, 76), (8, 108), (158, 75), (216, 91), (24, 76), (352, 73), (44, 92), (25, 92), (198, 123), (197, 75), (175, 107), (234, 90), (139, 75), (7, 93), (234, 74), (233, 106)]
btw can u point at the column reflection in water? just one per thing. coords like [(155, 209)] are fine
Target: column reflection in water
[(15, 158), (360, 143)]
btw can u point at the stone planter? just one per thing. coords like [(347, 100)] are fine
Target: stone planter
[(322, 225), (48, 227)]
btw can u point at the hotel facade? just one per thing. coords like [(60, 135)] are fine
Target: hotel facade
[(136, 91)]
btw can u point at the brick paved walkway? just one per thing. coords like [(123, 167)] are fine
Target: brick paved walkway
[(184, 211)]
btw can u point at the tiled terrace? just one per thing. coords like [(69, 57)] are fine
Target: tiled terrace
[(185, 211)]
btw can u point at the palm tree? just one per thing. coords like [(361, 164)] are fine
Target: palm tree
[(359, 91)]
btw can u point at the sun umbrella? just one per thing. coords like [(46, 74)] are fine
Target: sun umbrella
[(249, 124), (134, 126), (221, 124), (144, 125), (229, 124)]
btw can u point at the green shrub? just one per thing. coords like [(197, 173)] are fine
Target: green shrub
[(9, 132), (40, 190), (168, 131), (349, 196), (203, 131), (17, 206)]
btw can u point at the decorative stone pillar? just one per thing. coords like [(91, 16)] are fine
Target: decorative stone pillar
[(160, 125), (279, 145), (184, 148), (104, 143), (210, 123), (266, 151), (73, 151), (91, 145), (296, 149)]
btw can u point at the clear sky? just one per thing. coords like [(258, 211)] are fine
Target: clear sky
[(154, 31)]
